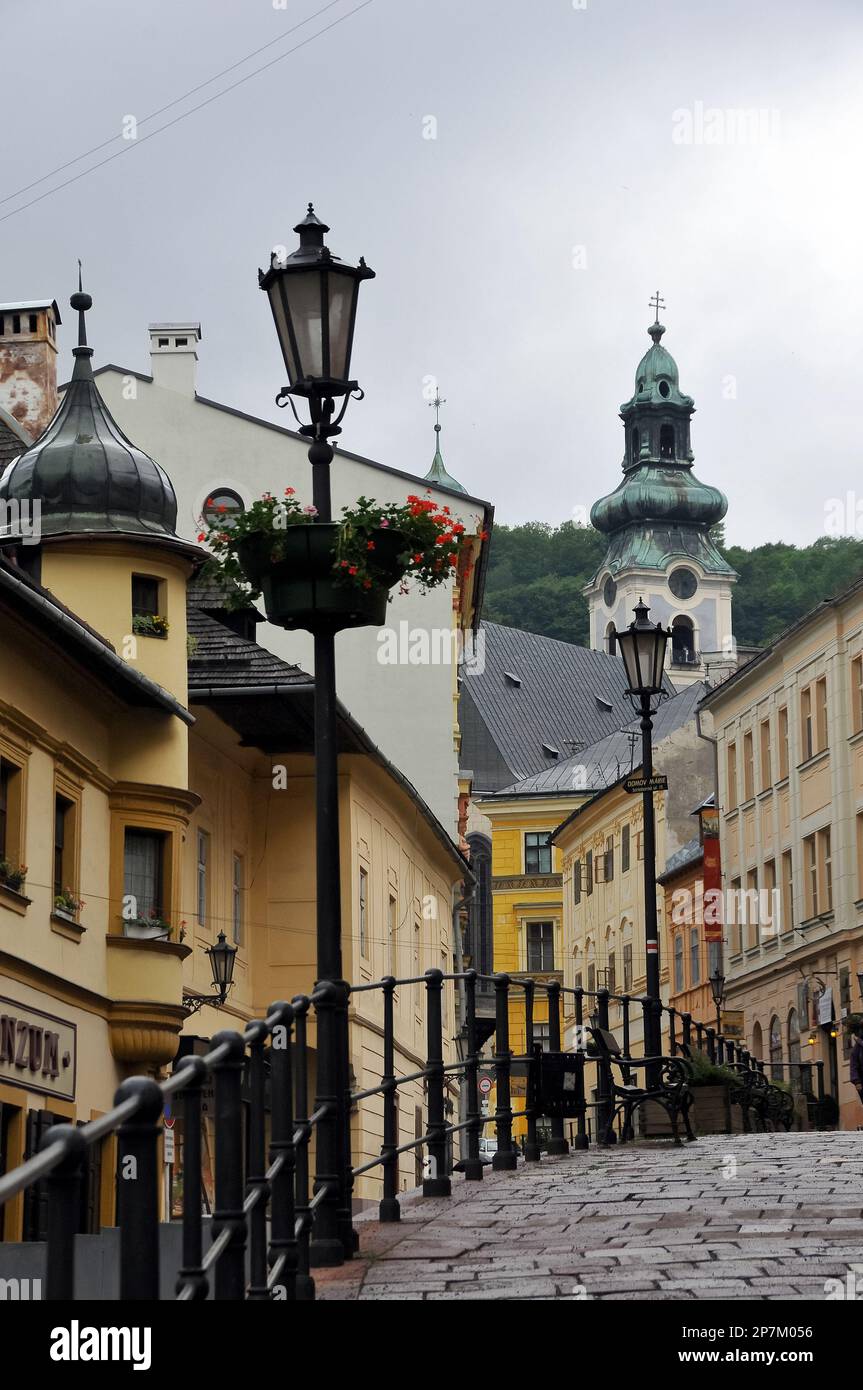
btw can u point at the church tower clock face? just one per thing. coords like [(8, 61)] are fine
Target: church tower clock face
[(609, 592), (682, 582)]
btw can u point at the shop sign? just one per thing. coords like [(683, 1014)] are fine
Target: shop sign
[(37, 1050)]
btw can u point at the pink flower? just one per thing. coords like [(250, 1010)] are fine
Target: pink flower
[(310, 510), (384, 521)]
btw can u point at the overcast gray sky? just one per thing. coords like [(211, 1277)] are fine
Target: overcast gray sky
[(577, 165)]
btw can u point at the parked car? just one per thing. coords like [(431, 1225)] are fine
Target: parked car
[(487, 1150)]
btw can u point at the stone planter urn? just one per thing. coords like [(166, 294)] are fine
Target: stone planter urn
[(300, 587)]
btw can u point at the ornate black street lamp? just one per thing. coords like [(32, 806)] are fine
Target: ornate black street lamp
[(717, 989), (221, 956), (313, 296), (642, 646)]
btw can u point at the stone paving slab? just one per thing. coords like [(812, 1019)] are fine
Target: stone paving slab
[(750, 1217)]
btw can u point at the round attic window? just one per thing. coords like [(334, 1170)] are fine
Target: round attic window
[(663, 388), (223, 506), (609, 592), (682, 582)]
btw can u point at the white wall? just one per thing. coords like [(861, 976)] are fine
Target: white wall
[(406, 709)]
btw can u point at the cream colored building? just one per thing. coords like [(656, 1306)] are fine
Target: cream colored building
[(789, 730), (156, 788)]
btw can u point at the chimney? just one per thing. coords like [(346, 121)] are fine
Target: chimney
[(28, 362), (174, 356)]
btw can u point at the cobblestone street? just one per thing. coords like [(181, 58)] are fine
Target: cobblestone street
[(734, 1217)]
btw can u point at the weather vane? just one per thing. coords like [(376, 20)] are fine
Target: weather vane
[(437, 403), (657, 304)]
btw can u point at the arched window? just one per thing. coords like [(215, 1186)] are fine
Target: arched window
[(666, 441), (480, 942), (611, 640), (635, 446), (683, 642), (775, 1049), (222, 507), (757, 1041), (794, 1048)]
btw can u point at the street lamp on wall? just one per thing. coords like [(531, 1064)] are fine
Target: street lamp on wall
[(642, 646), (717, 989), (221, 956)]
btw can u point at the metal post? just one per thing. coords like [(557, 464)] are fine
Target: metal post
[(332, 1238), (711, 1044), (230, 1280), (557, 1144), (720, 1049), (305, 1282), (138, 1190), (437, 1184), (64, 1188), (257, 1176), (581, 1140), (604, 1096), (283, 1239), (652, 1041), (625, 1003), (191, 1274), (471, 1165), (699, 1035), (389, 1209), (687, 1032), (505, 1158), (531, 1146), (672, 1031)]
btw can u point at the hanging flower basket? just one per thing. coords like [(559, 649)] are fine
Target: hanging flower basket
[(337, 574)]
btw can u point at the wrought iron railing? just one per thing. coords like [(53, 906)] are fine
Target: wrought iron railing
[(261, 1233)]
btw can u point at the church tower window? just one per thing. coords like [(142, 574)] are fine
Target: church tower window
[(666, 442), (683, 642), (635, 446)]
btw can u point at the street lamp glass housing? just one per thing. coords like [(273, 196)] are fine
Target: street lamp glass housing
[(222, 957), (717, 987), (642, 646), (313, 298)]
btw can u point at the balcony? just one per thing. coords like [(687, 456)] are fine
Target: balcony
[(682, 657)]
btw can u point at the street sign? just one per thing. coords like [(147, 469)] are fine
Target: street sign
[(657, 783), (732, 1023), (169, 1146), (484, 1085)]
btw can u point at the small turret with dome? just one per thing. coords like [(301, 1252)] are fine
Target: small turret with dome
[(658, 521), (84, 472), (437, 473)]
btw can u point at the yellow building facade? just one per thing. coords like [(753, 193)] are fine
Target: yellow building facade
[(789, 732)]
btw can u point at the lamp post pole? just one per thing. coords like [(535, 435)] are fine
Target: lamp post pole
[(313, 297), (653, 1035)]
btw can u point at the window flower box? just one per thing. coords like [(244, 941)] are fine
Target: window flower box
[(152, 928), (150, 625), (12, 876)]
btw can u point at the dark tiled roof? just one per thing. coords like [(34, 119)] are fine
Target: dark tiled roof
[(603, 763), (532, 696), (690, 853), (10, 445), (220, 659)]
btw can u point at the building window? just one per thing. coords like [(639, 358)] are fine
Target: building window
[(148, 619), (766, 759), (64, 845), (813, 719), (34, 323), (611, 973), (683, 642), (576, 882), (775, 1049), (770, 887), (666, 441), (821, 713), (636, 446), (609, 859), (16, 323), (588, 872), (624, 849), (627, 966), (223, 506), (10, 785), (731, 775), (737, 915), (752, 915), (826, 867), (748, 768), (364, 909), (540, 946), (144, 862), (694, 957), (859, 856), (787, 891), (481, 946), (678, 963), (857, 694), (810, 861), (237, 914), (203, 861), (782, 722), (537, 852), (541, 1035)]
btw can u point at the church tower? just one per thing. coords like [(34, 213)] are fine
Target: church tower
[(658, 522)]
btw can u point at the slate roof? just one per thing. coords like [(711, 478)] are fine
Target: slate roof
[(532, 695), (13, 439), (690, 853), (603, 763)]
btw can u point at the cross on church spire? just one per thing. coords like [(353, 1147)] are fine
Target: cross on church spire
[(657, 304), (436, 404)]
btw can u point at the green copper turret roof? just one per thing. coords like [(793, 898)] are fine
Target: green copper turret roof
[(437, 473), (659, 511)]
